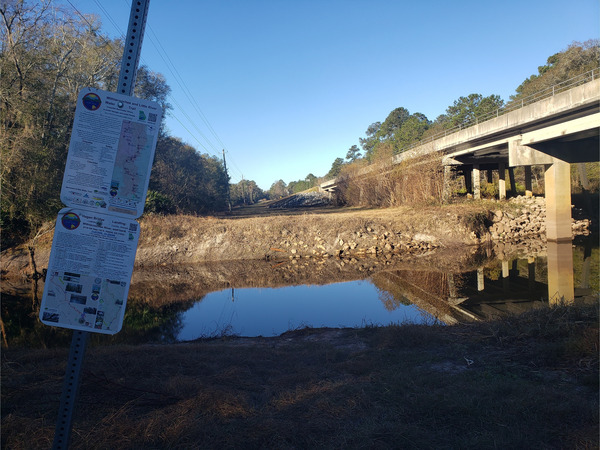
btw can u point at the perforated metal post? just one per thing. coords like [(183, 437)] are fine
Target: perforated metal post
[(72, 381), (133, 46), (129, 64)]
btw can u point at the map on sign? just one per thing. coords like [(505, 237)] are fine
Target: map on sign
[(89, 271), (111, 153), (127, 186)]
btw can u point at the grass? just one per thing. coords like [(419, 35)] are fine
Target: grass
[(524, 382)]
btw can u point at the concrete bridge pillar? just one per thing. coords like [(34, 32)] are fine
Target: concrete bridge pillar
[(501, 181), (557, 187), (476, 182), (528, 189), (446, 188), (513, 184), (480, 280), (468, 175)]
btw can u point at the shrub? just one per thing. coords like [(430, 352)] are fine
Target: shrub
[(158, 203)]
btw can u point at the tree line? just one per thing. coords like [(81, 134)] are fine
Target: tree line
[(47, 54), (401, 129)]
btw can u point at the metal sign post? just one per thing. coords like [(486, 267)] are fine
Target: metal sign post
[(129, 64)]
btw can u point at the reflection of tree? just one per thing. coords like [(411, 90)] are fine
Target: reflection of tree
[(401, 287), (22, 327), (389, 294), (142, 323)]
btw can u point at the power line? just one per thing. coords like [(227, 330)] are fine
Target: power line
[(178, 79), (192, 99)]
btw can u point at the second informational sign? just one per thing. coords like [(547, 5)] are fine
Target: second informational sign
[(104, 187), (89, 271), (111, 153)]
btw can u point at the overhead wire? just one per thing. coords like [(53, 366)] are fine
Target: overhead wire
[(207, 142), (163, 54)]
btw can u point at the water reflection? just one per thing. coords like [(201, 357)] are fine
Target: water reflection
[(185, 302), (492, 289), (273, 311), (560, 272)]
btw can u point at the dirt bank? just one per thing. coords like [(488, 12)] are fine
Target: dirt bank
[(280, 236), (260, 233)]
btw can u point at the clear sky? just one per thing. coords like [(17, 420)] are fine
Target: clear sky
[(287, 86)]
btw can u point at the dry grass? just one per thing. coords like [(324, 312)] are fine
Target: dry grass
[(414, 184), (527, 382)]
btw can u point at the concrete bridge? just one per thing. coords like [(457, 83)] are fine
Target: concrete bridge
[(553, 132)]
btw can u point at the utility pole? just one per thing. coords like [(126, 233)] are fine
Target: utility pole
[(243, 193), (227, 174)]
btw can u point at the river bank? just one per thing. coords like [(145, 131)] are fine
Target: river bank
[(305, 233), (528, 381), (523, 382)]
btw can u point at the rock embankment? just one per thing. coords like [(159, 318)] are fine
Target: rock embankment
[(344, 233), (367, 241), (302, 200), (521, 228), (528, 220), (332, 233)]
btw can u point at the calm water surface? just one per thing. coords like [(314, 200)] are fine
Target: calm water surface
[(177, 304), (273, 311)]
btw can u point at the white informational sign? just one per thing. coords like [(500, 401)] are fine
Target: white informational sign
[(111, 153), (89, 271)]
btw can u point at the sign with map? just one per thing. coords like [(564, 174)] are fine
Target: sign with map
[(111, 153), (89, 271)]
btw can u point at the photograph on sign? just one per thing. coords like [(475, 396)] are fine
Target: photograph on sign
[(89, 271), (111, 153)]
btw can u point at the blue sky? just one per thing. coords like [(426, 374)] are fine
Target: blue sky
[(287, 86)]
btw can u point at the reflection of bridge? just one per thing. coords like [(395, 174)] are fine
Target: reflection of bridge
[(512, 287)]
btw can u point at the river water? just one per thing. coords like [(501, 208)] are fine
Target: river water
[(265, 298)]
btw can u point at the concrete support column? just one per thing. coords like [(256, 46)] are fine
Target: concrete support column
[(501, 181), (451, 286), (505, 274), (476, 182), (528, 189), (531, 272), (468, 173), (557, 186), (490, 176), (446, 187), (513, 184), (480, 280)]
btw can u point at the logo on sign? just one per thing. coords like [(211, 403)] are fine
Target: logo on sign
[(70, 221), (91, 101)]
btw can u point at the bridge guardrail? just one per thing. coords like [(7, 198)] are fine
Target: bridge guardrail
[(548, 92), (545, 93)]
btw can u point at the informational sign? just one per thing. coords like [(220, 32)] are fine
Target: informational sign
[(89, 271), (111, 153)]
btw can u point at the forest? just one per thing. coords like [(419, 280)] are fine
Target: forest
[(48, 53)]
